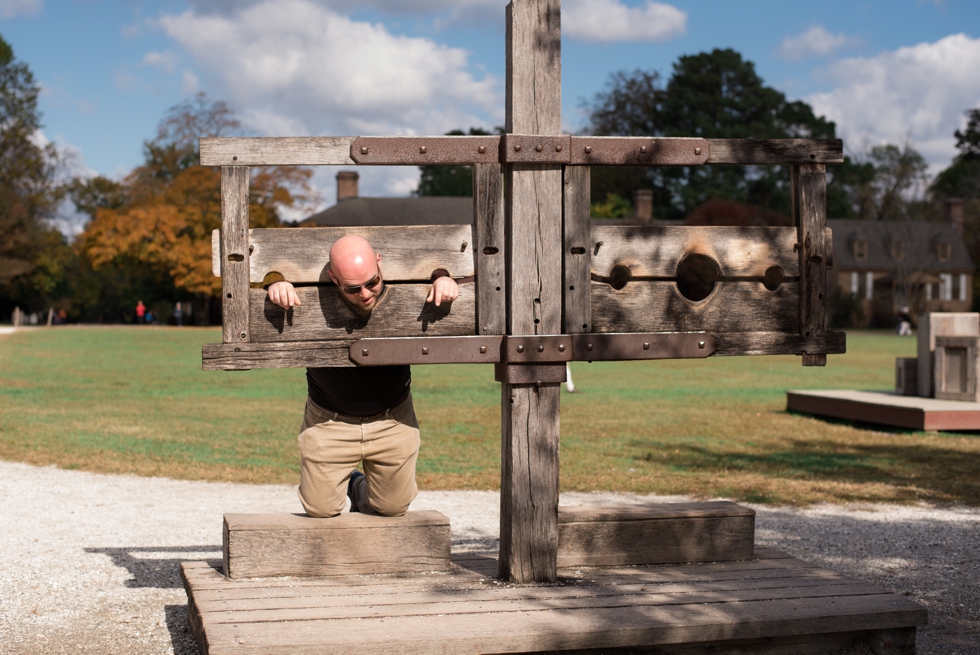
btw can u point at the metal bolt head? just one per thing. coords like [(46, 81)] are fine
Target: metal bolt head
[(423, 150), (700, 344), (482, 149), (364, 150), (517, 148), (520, 349), (588, 346), (483, 350), (538, 148), (425, 351), (364, 352), (540, 348), (697, 151), (643, 149), (646, 345), (561, 347), (588, 150), (558, 148)]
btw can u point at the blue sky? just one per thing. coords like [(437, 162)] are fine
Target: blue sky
[(883, 70)]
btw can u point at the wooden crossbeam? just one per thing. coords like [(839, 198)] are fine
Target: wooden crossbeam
[(469, 150)]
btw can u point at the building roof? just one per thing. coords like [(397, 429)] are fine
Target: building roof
[(920, 241), (426, 210)]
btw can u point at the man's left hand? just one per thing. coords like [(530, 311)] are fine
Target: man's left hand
[(443, 289)]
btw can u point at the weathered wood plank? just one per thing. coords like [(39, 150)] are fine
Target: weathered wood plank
[(648, 306), (655, 251), (408, 253), (577, 253), (234, 254), (809, 197), (276, 151), (262, 545), (651, 511), (392, 596), (775, 151), (323, 314), (571, 629), (655, 541), (489, 249), (529, 414), (425, 606), (275, 354)]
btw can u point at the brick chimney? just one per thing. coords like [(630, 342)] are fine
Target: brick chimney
[(643, 206), (953, 213), (346, 185)]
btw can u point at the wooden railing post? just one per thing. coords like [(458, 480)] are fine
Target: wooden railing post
[(577, 253), (234, 254), (530, 413), (809, 193), (489, 252)]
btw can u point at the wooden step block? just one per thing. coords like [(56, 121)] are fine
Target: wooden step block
[(261, 545), (664, 533)]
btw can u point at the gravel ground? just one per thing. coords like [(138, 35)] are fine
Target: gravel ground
[(90, 561)]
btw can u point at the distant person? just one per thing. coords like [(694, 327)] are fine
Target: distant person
[(178, 314), (904, 328), (140, 312), (62, 316), (358, 414)]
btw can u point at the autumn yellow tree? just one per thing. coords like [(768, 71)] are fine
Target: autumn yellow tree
[(163, 213)]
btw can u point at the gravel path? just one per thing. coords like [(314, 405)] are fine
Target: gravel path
[(90, 561)]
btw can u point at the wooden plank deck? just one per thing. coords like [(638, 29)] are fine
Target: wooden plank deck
[(772, 600), (885, 408)]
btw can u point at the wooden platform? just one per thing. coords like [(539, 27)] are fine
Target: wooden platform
[(771, 604), (886, 408)]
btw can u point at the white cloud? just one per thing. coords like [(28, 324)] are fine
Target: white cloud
[(14, 8), (919, 92), (605, 21), (165, 61), (815, 42), (190, 84), (298, 65)]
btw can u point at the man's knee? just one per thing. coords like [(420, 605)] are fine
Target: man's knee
[(389, 508), (321, 508)]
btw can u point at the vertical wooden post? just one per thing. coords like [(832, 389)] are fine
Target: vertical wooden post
[(577, 254), (488, 249), (530, 413), (809, 192), (234, 254)]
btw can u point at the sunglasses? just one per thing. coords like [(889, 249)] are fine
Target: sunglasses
[(370, 284)]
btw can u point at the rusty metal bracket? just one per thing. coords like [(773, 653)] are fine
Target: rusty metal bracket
[(531, 350), (534, 149), (425, 150), (629, 346), (637, 151), (426, 350)]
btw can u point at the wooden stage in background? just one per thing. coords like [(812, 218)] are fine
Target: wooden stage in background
[(885, 408), (771, 604)]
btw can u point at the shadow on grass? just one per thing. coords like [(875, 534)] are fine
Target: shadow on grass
[(943, 474)]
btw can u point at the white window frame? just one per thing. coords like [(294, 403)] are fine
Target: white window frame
[(855, 283), (869, 282), (963, 283), (946, 286)]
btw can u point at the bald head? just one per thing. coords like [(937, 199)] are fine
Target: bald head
[(353, 262)]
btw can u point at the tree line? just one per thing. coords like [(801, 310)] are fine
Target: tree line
[(147, 236)]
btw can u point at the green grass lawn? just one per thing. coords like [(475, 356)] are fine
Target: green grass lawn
[(135, 400)]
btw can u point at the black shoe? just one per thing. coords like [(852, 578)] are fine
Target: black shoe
[(354, 476)]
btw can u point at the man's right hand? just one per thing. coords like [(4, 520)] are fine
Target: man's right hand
[(283, 294)]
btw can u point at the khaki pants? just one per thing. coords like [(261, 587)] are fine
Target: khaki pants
[(332, 445)]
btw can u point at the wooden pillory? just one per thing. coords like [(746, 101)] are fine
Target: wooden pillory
[(549, 289)]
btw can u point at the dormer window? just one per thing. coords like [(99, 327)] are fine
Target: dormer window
[(898, 250), (860, 250), (945, 251)]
